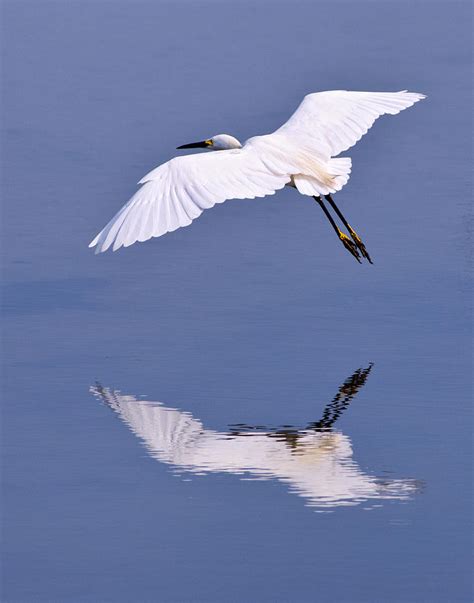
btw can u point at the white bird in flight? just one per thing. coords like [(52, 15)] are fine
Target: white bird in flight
[(302, 153)]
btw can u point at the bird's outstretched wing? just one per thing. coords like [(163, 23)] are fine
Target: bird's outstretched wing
[(328, 123), (177, 192)]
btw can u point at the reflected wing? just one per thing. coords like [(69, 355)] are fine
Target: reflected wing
[(168, 434), (333, 121), (178, 191)]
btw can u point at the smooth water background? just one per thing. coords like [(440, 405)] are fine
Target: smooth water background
[(255, 314)]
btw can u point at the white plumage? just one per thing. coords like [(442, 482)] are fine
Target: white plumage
[(301, 153)]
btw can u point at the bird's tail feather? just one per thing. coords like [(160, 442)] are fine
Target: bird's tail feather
[(330, 179)]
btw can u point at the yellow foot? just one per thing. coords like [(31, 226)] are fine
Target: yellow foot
[(360, 246), (350, 246)]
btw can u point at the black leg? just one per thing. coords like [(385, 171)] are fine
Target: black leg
[(352, 232), (341, 400), (348, 244)]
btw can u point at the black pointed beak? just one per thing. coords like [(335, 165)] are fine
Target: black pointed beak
[(203, 144)]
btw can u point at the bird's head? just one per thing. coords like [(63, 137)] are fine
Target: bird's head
[(220, 142)]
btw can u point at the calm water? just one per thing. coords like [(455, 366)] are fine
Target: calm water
[(286, 425)]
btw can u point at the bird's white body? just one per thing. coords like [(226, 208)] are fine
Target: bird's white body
[(301, 153)]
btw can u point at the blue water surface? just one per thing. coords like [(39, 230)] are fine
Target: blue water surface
[(286, 425)]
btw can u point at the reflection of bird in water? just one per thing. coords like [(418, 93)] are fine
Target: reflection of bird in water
[(315, 462)]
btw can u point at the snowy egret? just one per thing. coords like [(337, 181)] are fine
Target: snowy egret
[(316, 462), (301, 153)]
